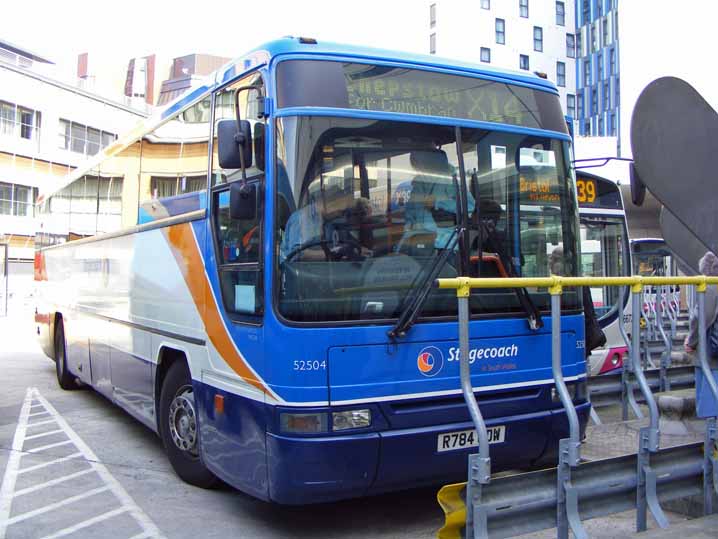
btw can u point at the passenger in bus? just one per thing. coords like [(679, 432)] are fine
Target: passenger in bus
[(431, 206)]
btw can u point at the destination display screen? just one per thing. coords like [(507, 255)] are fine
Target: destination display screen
[(310, 83), (595, 192)]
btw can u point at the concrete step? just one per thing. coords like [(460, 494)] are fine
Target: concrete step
[(697, 528)]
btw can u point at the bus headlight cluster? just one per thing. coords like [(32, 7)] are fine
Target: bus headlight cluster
[(351, 419), (303, 423), (319, 422)]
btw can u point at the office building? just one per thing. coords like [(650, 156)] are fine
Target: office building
[(530, 35)]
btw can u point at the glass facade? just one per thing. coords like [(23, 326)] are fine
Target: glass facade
[(597, 69)]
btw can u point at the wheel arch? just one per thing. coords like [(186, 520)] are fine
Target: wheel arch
[(166, 356)]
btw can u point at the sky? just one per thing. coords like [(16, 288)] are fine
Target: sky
[(135, 28)]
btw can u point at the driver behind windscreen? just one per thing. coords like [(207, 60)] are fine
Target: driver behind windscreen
[(431, 206)]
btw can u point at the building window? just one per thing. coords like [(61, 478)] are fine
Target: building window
[(432, 44), (594, 101), (570, 45), (617, 91), (18, 200), (594, 37), (600, 66), (524, 8), (500, 31), (560, 14), (432, 15), (560, 74), (608, 5), (605, 31), (538, 39), (601, 132), (485, 4), (612, 61), (19, 122), (586, 11), (587, 71), (571, 105), (82, 139), (485, 54), (612, 123), (580, 104), (606, 96), (524, 61), (579, 52), (587, 127)]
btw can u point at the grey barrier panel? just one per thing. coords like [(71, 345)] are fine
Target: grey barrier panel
[(672, 119), (606, 389), (526, 503), (562, 497)]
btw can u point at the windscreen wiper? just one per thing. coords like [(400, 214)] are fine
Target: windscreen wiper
[(411, 309)]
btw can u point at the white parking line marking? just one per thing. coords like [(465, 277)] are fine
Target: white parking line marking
[(54, 461), (53, 506), (52, 482), (33, 436), (86, 523), (48, 446), (12, 470), (38, 423), (13, 464), (44, 412)]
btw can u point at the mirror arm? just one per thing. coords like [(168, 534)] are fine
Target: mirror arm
[(239, 138)]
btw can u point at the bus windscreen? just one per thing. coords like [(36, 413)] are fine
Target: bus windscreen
[(311, 83)]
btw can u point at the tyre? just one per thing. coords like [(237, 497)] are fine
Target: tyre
[(179, 429), (64, 379)]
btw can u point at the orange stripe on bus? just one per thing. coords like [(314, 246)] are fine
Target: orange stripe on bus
[(184, 248)]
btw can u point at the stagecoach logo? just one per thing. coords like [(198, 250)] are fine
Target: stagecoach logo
[(430, 360)]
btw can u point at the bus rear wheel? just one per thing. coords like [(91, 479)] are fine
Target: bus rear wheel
[(64, 379), (179, 428)]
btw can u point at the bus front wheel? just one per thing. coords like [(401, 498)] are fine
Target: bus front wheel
[(179, 428), (64, 378)]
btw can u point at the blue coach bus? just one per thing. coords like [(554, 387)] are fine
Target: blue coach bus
[(249, 272)]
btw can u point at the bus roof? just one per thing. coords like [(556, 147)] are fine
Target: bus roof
[(308, 46), (266, 54)]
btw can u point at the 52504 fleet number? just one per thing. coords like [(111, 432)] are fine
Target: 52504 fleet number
[(316, 365)]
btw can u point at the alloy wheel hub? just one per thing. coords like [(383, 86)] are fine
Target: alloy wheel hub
[(183, 421)]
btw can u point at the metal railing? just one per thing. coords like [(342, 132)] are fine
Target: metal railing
[(553, 496)]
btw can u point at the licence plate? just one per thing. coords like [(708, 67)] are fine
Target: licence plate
[(462, 439)]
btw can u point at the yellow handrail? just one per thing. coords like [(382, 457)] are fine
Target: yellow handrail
[(555, 283)]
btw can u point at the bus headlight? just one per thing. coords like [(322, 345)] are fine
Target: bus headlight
[(351, 419), (303, 423)]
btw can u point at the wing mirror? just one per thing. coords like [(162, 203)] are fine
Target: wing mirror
[(234, 141)]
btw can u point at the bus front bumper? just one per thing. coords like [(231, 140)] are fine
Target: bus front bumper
[(312, 470)]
